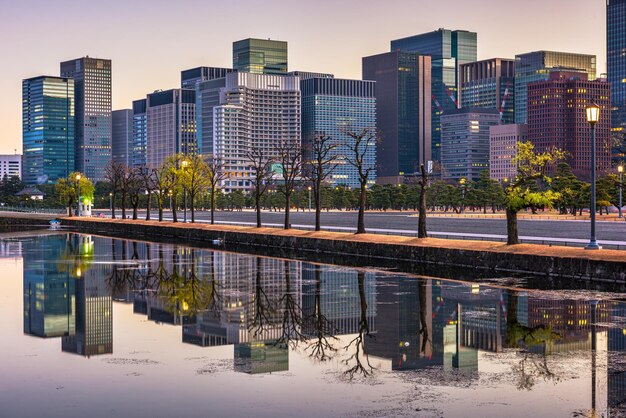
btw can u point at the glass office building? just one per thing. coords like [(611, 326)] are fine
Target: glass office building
[(47, 128), (616, 60), (449, 50), (122, 136), (189, 78), (140, 133), (403, 94), (329, 107), (536, 66), (260, 56), (92, 99)]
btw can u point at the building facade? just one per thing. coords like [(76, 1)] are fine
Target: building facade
[(170, 125), (122, 136), (449, 49), (330, 106), (207, 97), (10, 165), (403, 95), (503, 141), (256, 112), (47, 129), (489, 84), (557, 118), (616, 61), (465, 142), (536, 66), (140, 133), (189, 78), (92, 100), (260, 56)]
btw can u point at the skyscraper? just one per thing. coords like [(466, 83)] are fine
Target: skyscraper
[(329, 107), (465, 141), (140, 134), (556, 118), (449, 50), (260, 56), (489, 84), (616, 60), (48, 129), (122, 136), (256, 111), (170, 125), (503, 141), (92, 99), (403, 95), (189, 78), (535, 66)]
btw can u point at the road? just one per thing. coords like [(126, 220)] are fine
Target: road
[(611, 234)]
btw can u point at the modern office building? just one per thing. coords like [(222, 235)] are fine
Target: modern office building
[(92, 100), (260, 56), (170, 125), (122, 136), (47, 129), (140, 133), (557, 118), (189, 78), (255, 112), (465, 142), (489, 84), (616, 61), (503, 141), (207, 98), (11, 166), (403, 96), (330, 107), (310, 74), (449, 49), (535, 66)]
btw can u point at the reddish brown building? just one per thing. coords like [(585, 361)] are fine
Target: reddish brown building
[(556, 118)]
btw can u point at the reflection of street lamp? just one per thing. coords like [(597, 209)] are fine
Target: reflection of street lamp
[(185, 163), (309, 198), (462, 183), (78, 186), (620, 170), (593, 116)]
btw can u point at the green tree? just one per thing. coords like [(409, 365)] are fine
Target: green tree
[(68, 188)]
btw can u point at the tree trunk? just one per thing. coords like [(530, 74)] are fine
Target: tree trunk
[(174, 204), (193, 209), (511, 227), (135, 207), (123, 205), (287, 210), (149, 206), (213, 207), (318, 208), (161, 212), (257, 203), (421, 221), (113, 206), (360, 226)]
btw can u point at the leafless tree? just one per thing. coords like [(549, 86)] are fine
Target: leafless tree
[(114, 173), (321, 162), (162, 186), (321, 347), (134, 187), (424, 184), (260, 166), (290, 158), (357, 343), (216, 174), (359, 147), (148, 180)]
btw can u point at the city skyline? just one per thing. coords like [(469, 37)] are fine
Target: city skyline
[(338, 49)]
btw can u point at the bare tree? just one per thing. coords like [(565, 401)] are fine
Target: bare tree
[(424, 184), (359, 147), (290, 159), (114, 173), (134, 186), (148, 180), (321, 163), (216, 174), (260, 166), (162, 186)]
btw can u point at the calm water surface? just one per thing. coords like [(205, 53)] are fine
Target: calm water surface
[(98, 327)]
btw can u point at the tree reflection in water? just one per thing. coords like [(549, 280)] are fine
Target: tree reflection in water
[(321, 347)]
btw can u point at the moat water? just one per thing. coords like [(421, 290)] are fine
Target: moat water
[(101, 327)]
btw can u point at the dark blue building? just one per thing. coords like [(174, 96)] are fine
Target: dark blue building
[(140, 134), (616, 60), (448, 49)]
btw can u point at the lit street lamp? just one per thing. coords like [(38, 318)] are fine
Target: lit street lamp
[(620, 170), (111, 203), (78, 186), (309, 198), (593, 116), (462, 183)]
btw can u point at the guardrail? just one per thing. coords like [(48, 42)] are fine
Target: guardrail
[(42, 211)]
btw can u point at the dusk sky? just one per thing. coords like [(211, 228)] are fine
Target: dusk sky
[(150, 41)]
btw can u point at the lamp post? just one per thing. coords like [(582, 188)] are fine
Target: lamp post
[(309, 198), (169, 193), (462, 183), (111, 203), (593, 116), (620, 170), (78, 176), (185, 163)]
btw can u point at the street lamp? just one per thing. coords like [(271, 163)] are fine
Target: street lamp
[(111, 203), (169, 193), (620, 170), (309, 198), (462, 183), (185, 163), (78, 177), (593, 116)]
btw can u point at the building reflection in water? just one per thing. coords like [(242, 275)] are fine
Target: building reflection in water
[(263, 307)]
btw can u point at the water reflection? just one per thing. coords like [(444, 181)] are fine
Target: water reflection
[(269, 309)]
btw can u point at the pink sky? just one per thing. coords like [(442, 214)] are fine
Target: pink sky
[(150, 41)]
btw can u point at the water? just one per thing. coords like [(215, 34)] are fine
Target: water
[(98, 327)]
